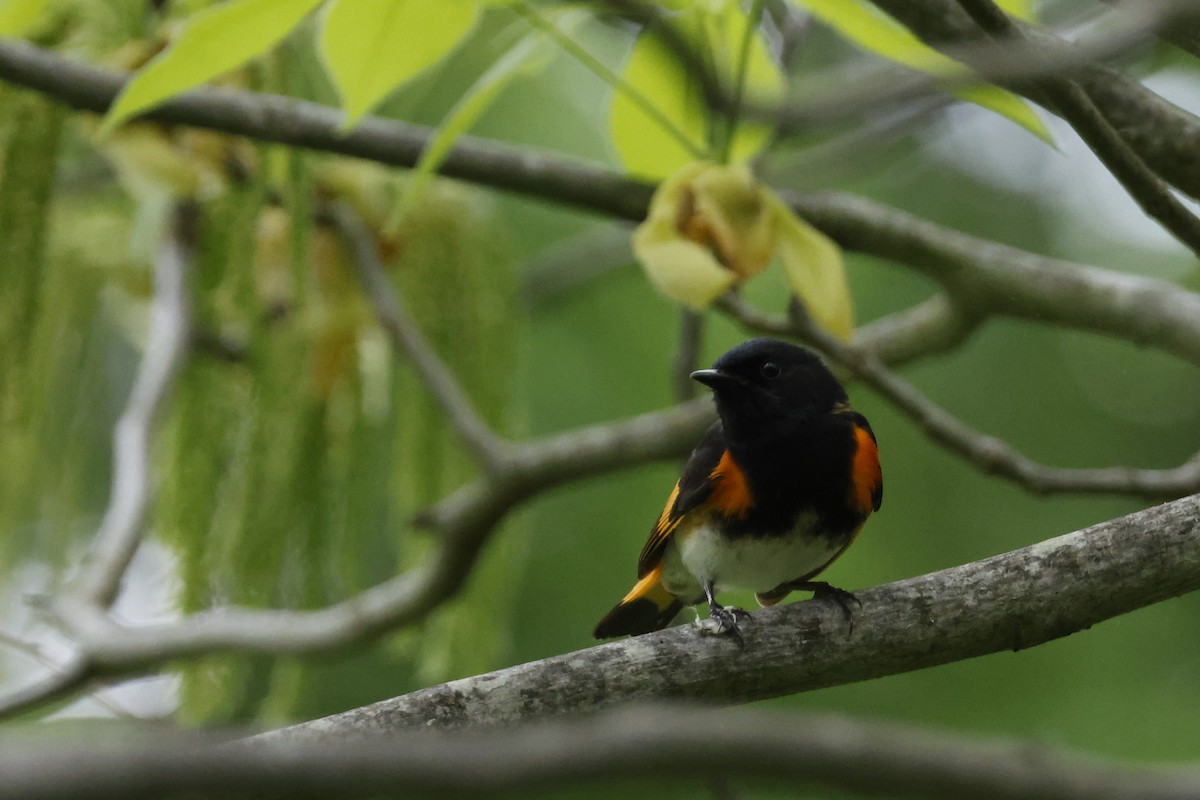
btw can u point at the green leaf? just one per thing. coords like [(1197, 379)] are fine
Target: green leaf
[(659, 121), (213, 42), (372, 46), (20, 17), (864, 25), (1021, 9), (815, 270), (708, 229), (531, 54)]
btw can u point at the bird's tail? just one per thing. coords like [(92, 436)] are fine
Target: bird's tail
[(648, 607)]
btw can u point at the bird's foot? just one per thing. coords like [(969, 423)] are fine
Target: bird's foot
[(723, 621), (824, 591)]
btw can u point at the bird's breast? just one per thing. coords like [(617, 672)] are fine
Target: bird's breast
[(707, 552)]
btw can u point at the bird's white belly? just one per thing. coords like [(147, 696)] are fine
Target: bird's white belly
[(755, 563)]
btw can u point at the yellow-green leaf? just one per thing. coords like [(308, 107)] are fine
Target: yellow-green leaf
[(709, 228), (20, 17), (815, 270), (531, 53), (1021, 9), (213, 42), (864, 25), (370, 47), (658, 119)]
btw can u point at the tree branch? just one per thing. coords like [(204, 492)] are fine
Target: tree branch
[(271, 118), (1165, 136), (167, 341), (1151, 194), (463, 520), (985, 278), (488, 449), (999, 603), (979, 274), (649, 743)]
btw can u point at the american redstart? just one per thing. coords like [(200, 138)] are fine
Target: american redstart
[(776, 490)]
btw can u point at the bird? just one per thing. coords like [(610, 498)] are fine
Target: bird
[(776, 490)]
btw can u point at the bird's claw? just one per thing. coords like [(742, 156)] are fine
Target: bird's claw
[(723, 621), (824, 591)]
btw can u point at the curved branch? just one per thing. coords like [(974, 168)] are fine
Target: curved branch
[(983, 607), (271, 118), (1165, 136), (985, 278), (1152, 194), (463, 521), (648, 743), (488, 449), (121, 529), (979, 274)]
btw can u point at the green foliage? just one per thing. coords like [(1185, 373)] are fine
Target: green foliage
[(372, 46), (21, 17), (290, 471), (659, 120), (214, 41)]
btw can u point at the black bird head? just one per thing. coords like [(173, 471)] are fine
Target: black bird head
[(769, 385)]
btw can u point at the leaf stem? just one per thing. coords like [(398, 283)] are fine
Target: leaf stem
[(602, 71), (753, 19)]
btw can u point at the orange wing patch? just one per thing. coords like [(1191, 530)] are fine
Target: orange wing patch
[(731, 494), (866, 484)]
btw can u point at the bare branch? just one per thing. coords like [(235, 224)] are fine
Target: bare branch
[(985, 278), (167, 340), (935, 326), (988, 606), (59, 681), (272, 118), (1151, 193), (994, 278), (1165, 136), (488, 450), (648, 743), (464, 520), (1008, 61)]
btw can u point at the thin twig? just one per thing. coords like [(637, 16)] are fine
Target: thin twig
[(1008, 61), (488, 450), (687, 356), (167, 340)]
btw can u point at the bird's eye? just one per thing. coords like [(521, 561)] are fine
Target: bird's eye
[(770, 370)]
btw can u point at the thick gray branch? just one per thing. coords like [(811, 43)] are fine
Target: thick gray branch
[(655, 743), (985, 278), (272, 118), (982, 275), (1006, 602)]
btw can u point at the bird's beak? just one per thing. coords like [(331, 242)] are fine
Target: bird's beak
[(714, 378)]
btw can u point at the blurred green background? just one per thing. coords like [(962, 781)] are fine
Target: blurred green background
[(295, 450)]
